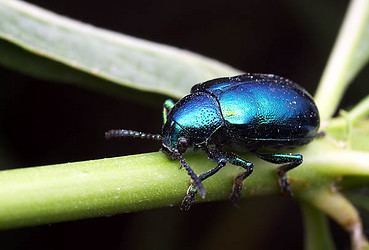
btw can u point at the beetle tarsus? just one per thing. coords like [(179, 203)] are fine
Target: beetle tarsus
[(289, 162), (189, 199), (236, 189), (284, 184), (202, 192), (187, 202)]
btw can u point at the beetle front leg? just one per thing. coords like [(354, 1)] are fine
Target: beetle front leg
[(189, 199), (289, 162)]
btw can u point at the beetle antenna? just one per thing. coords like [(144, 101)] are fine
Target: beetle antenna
[(192, 174), (117, 133)]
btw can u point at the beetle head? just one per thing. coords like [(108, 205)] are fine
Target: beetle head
[(174, 139)]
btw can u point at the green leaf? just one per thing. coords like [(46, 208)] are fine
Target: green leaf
[(65, 49), (40, 67), (349, 56)]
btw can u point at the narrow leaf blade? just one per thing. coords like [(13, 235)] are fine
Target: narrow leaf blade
[(118, 58)]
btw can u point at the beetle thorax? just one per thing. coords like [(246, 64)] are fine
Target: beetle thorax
[(194, 118)]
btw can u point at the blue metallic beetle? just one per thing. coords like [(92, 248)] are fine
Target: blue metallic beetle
[(258, 113)]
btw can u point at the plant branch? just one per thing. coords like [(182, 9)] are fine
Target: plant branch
[(348, 119), (40, 195), (341, 210), (349, 55), (317, 232)]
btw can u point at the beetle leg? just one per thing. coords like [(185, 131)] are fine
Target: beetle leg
[(234, 159), (189, 199), (195, 179), (289, 162), (167, 106), (238, 181)]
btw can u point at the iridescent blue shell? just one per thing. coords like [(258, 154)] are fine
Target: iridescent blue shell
[(248, 111)]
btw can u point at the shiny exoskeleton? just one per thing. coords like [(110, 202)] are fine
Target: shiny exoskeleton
[(258, 113)]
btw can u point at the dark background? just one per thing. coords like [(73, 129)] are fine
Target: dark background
[(45, 123)]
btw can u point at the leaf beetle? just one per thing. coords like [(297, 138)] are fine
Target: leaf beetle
[(257, 113)]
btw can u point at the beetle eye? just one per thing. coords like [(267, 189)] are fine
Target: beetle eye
[(182, 144)]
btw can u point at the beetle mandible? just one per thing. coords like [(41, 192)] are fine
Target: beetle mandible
[(257, 113)]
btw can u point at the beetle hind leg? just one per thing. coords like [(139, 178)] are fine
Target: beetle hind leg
[(238, 181), (289, 162)]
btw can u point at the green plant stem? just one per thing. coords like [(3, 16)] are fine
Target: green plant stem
[(40, 195), (341, 210), (360, 111), (349, 55), (357, 114), (317, 232)]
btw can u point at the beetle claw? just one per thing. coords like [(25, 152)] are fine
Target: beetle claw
[(198, 188), (202, 192), (189, 198), (284, 185), (187, 202)]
